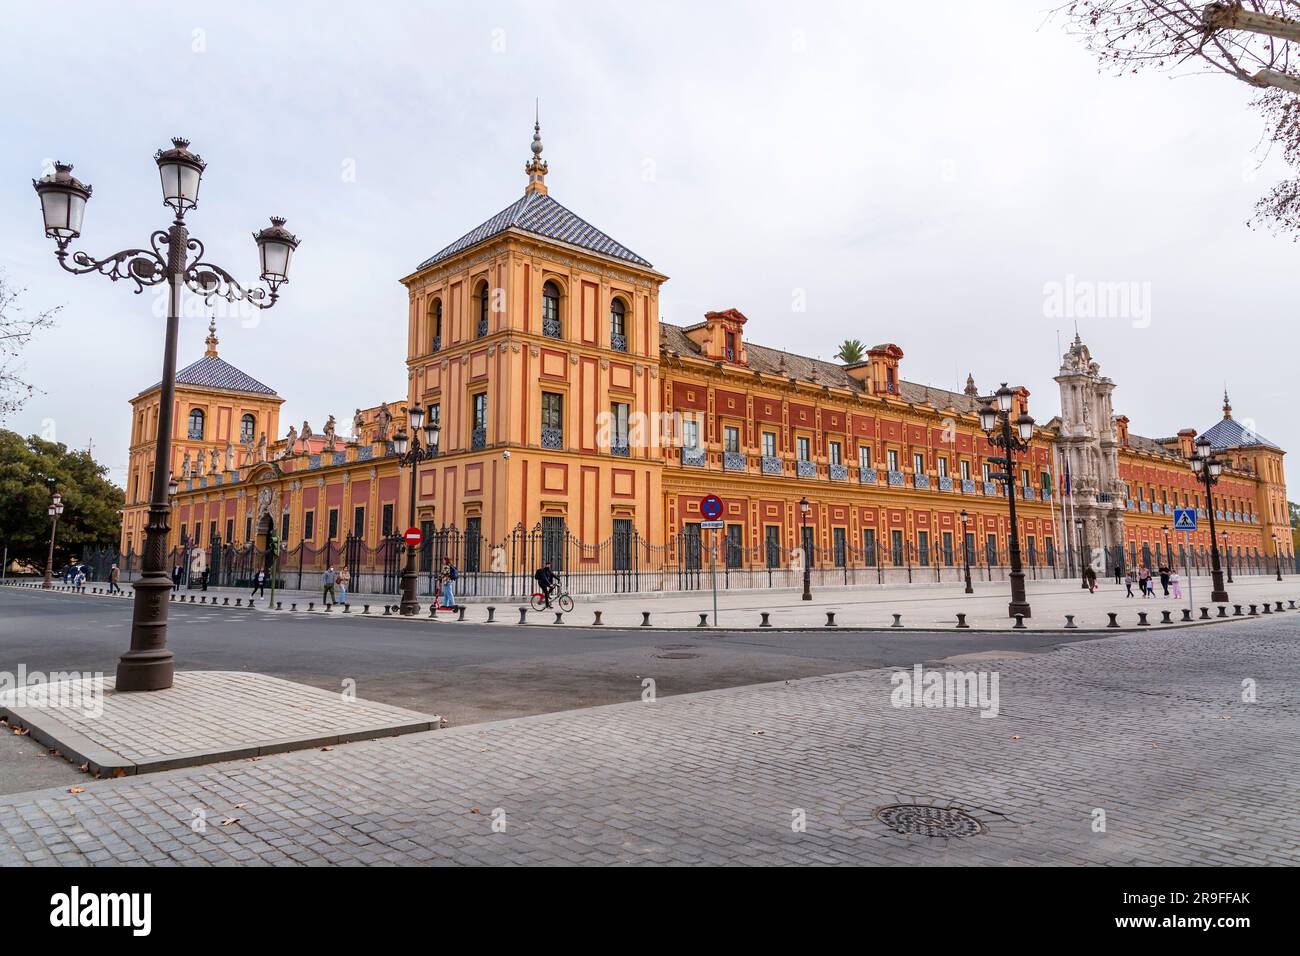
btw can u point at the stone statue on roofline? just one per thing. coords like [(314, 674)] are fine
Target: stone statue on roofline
[(358, 423), (185, 465), (261, 447), (248, 449), (290, 443), (331, 438), (230, 457), (383, 419), (306, 437), (213, 465)]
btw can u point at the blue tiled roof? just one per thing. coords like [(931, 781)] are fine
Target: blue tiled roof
[(1230, 434), (540, 214), (212, 372)]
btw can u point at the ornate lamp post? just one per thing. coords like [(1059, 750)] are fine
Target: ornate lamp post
[(55, 509), (996, 423), (965, 552), (1169, 548), (1277, 554), (803, 543), (1208, 468), (177, 259), (409, 455)]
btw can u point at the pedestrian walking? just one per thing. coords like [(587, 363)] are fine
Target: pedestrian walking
[(176, 577), (1090, 578), (327, 581), (1144, 581), (1164, 579), (259, 583), (1128, 584), (1176, 584), (1119, 574), (343, 579), (113, 575), (449, 576)]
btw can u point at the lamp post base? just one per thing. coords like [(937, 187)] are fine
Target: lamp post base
[(1218, 593), (410, 603), (1019, 602), (148, 665)]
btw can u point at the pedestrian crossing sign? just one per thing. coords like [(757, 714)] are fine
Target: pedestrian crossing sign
[(1184, 519)]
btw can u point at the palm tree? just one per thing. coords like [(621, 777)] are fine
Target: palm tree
[(851, 352)]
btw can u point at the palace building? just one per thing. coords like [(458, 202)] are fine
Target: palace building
[(567, 408)]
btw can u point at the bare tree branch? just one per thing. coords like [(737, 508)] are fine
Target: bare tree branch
[(16, 330)]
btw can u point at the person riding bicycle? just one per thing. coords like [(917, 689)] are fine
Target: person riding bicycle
[(546, 581)]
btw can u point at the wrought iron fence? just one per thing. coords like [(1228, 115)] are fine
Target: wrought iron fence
[(628, 563)]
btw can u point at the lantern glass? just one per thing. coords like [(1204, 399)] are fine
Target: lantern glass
[(1216, 468), (1025, 424), (401, 443), (173, 487), (803, 505), (275, 246), (416, 416), (1197, 463), (1004, 398), (52, 512), (180, 172), (988, 418), (431, 431)]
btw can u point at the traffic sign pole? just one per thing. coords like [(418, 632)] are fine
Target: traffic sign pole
[(711, 510)]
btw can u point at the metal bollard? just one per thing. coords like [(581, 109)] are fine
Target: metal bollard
[(1291, 605), (191, 598), (597, 622), (1236, 610), (203, 599), (173, 596), (704, 619), (1279, 606), (830, 619), (961, 620), (311, 605), (227, 602), (239, 602), (559, 617), (1187, 614), (1268, 608), (645, 618), (898, 621), (388, 610), (1020, 623), (293, 606), (433, 610), (365, 609), (1142, 619), (346, 608), (1069, 621), (765, 622), (1223, 610), (328, 608), (1114, 619), (523, 615), (492, 614), (460, 612), (1254, 610), (1205, 614), (279, 605), (1166, 618)]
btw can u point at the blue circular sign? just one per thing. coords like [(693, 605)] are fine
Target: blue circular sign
[(711, 507)]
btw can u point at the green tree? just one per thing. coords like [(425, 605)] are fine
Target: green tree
[(1294, 510), (851, 352), (30, 469)]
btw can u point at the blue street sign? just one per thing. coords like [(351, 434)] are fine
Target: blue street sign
[(711, 506), (1184, 519)]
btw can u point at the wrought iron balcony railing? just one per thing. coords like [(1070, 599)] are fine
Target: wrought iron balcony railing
[(921, 481), (771, 465), (896, 479), (553, 438), (694, 457), (868, 476), (805, 468), (838, 472), (552, 329), (478, 437), (618, 342), (945, 483), (620, 449), (733, 460)]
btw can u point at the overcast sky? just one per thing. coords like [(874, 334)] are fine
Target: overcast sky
[(913, 179)]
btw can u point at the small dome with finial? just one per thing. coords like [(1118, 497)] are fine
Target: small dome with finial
[(536, 167), (211, 340)]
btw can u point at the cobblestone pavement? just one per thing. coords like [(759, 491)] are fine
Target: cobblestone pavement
[(1150, 728)]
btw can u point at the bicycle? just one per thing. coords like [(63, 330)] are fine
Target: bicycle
[(558, 596)]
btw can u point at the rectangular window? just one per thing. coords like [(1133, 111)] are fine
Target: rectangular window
[(552, 410), (970, 548), (553, 543), (991, 548), (284, 530), (309, 525), (809, 547), (803, 445), (1050, 545), (769, 444), (835, 453), (387, 525), (918, 463), (772, 545), (869, 546), (692, 546), (965, 470), (735, 546), (984, 468), (212, 532), (230, 530), (1032, 548), (840, 545), (690, 434), (943, 467), (731, 438), (864, 456), (248, 529), (471, 560), (623, 544), (896, 548), (359, 523), (892, 457), (480, 410), (618, 413), (923, 548), (1045, 481), (333, 524), (947, 548), (432, 540), (1024, 478)]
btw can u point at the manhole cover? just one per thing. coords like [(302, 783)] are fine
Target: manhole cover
[(677, 656), (913, 819)]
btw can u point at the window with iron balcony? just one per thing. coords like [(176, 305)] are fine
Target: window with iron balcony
[(618, 326), (551, 326)]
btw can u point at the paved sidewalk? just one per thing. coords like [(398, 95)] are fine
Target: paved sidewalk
[(920, 606), (1133, 750), (206, 716)]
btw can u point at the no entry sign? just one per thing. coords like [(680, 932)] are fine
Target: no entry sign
[(413, 536)]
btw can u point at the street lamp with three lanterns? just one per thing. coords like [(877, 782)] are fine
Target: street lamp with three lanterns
[(410, 452), (1208, 468), (55, 509), (997, 425)]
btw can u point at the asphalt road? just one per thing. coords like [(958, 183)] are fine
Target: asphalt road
[(468, 673)]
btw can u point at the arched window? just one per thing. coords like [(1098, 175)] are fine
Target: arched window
[(247, 428), (436, 313), (196, 424), (618, 326), (551, 311), (482, 310)]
